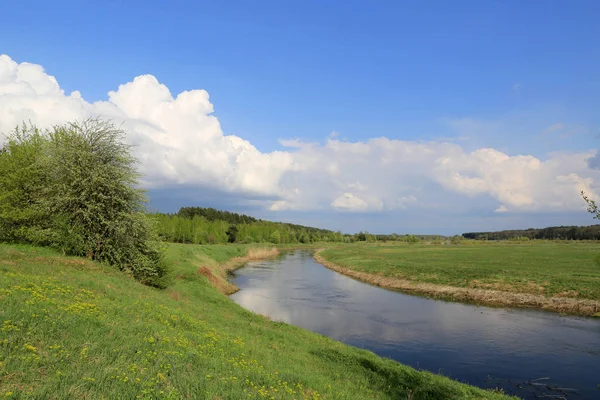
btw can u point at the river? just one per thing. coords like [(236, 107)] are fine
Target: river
[(528, 353)]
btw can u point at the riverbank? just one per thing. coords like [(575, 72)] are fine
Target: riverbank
[(72, 328), (550, 276), (217, 273)]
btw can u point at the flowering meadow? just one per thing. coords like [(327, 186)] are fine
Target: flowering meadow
[(73, 328)]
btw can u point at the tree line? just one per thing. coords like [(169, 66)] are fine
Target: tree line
[(591, 232), (218, 227), (212, 214), (201, 225)]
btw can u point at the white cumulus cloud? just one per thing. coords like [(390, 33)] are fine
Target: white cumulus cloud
[(349, 201), (180, 141)]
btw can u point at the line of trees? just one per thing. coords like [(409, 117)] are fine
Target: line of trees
[(394, 237), (212, 214), (200, 225), (200, 229), (74, 187), (591, 232)]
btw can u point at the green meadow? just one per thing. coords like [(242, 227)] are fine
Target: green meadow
[(74, 328), (546, 269)]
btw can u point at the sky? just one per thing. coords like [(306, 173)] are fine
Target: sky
[(408, 117)]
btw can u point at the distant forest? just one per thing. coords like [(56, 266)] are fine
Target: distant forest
[(591, 232), (202, 225), (211, 226)]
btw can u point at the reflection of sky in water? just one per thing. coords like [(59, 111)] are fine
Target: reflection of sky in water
[(462, 341)]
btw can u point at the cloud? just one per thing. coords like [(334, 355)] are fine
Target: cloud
[(594, 161), (516, 86), (180, 143), (349, 201)]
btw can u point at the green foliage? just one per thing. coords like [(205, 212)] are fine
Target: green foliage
[(275, 237), (371, 238), (213, 214), (201, 230), (74, 188), (304, 238), (456, 239), (211, 226), (232, 233), (591, 232), (592, 207), (412, 239), (22, 181)]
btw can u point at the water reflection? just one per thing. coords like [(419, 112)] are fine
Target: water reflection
[(482, 346)]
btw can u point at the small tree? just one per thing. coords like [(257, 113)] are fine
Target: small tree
[(93, 190), (75, 187), (592, 209), (361, 236), (456, 239), (275, 237), (412, 239), (592, 206), (232, 233)]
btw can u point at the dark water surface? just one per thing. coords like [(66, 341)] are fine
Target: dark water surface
[(486, 347)]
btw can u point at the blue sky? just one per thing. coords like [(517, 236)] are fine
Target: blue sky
[(520, 77)]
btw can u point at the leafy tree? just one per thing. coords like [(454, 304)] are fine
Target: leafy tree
[(304, 238), (22, 180), (275, 237), (456, 239), (232, 233), (592, 207), (75, 187), (412, 239)]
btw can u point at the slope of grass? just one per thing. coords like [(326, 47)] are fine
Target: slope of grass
[(71, 328), (540, 268)]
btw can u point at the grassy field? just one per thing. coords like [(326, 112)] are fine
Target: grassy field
[(71, 328), (538, 269)]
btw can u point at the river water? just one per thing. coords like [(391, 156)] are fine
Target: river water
[(527, 353)]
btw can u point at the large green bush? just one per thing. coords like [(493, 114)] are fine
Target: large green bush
[(74, 187)]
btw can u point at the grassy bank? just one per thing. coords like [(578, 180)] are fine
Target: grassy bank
[(71, 328), (558, 276)]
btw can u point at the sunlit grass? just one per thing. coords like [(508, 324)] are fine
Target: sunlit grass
[(536, 267), (70, 328)]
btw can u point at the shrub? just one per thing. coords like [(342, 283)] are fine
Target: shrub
[(456, 239), (75, 188), (22, 180), (411, 239)]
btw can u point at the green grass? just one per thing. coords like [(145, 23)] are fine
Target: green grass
[(538, 267), (71, 328)]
